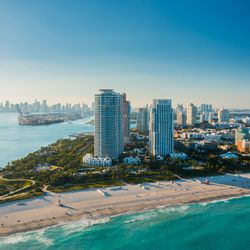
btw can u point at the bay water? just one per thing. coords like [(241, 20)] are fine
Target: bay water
[(17, 141)]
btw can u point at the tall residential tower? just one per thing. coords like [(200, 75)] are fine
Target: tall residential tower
[(126, 118), (143, 120), (109, 134), (161, 128), (191, 114)]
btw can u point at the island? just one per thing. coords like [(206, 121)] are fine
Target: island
[(47, 118)]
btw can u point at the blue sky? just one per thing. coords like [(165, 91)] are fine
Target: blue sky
[(65, 50)]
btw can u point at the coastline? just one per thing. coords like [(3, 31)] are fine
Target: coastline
[(42, 212), (13, 136)]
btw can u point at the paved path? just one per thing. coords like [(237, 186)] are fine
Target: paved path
[(32, 183)]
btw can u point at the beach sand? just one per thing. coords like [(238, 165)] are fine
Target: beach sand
[(95, 204)]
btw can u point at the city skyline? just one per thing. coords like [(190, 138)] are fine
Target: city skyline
[(12, 106), (64, 52)]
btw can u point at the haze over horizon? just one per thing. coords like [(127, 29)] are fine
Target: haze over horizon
[(64, 51)]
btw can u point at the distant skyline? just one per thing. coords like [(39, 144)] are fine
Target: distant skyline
[(64, 51)]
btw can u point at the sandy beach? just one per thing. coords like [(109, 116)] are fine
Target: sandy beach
[(94, 204)]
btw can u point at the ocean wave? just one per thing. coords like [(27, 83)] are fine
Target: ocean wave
[(223, 200), (204, 204), (130, 221), (177, 209), (43, 239), (13, 239), (78, 226), (37, 236), (151, 214)]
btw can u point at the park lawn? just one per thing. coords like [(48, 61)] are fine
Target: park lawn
[(75, 187)]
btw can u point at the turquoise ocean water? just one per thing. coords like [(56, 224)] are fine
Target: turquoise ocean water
[(217, 225), (17, 141)]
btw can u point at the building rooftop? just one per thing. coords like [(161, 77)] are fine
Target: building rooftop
[(106, 90)]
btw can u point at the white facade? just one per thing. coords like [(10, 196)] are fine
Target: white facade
[(143, 120), (229, 155), (205, 117), (206, 108), (161, 128), (181, 156), (181, 117), (89, 159), (210, 117), (132, 160), (191, 114), (126, 118), (246, 120), (109, 135), (223, 115)]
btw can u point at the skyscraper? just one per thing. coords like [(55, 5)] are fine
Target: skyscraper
[(206, 108), (181, 117), (126, 118), (223, 115), (143, 120), (108, 124), (161, 128), (191, 114)]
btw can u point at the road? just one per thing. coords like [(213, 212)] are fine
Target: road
[(32, 183)]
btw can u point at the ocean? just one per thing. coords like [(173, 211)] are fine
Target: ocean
[(217, 225), (17, 141)]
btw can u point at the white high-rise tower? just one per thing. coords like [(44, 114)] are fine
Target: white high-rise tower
[(191, 114), (143, 120), (161, 128), (108, 124)]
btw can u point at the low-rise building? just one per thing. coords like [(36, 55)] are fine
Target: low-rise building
[(244, 146), (91, 160), (42, 167), (181, 156), (242, 134), (223, 115), (212, 137), (229, 155), (132, 160), (192, 136), (139, 150)]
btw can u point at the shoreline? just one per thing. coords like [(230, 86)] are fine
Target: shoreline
[(43, 136), (42, 212)]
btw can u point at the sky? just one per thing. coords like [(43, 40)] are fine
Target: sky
[(65, 50)]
